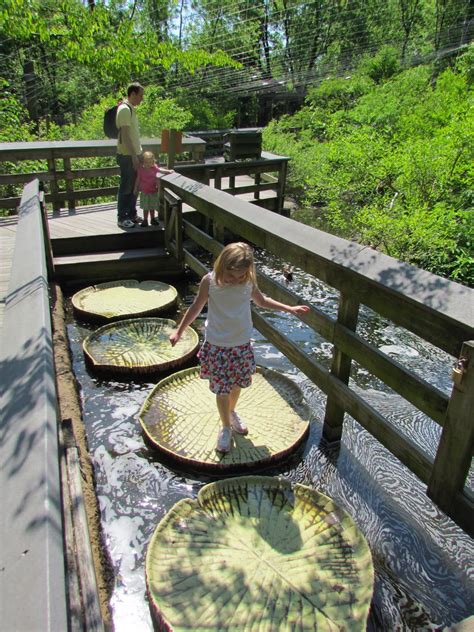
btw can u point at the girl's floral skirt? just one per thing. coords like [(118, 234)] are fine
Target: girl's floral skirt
[(149, 201), (226, 367)]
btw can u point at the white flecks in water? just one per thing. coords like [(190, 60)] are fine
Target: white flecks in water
[(124, 412), (125, 545), (128, 607), (399, 350)]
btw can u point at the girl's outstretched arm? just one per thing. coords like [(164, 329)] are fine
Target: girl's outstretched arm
[(265, 301), (194, 310)]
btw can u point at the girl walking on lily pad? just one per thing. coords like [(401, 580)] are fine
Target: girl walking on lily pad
[(226, 355)]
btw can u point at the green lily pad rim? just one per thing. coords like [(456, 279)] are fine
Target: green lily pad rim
[(366, 567), (96, 317), (112, 368), (218, 468)]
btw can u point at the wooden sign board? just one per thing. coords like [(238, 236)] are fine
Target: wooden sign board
[(171, 139)]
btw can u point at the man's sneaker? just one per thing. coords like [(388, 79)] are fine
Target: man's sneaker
[(144, 224), (125, 223), (224, 440), (238, 424), (136, 219)]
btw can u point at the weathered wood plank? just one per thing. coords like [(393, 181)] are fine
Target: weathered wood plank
[(90, 598), (457, 440), (81, 148), (341, 366), (72, 571), (104, 266), (7, 245), (31, 528), (251, 188)]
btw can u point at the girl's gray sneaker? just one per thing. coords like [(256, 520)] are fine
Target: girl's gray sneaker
[(238, 424), (224, 440)]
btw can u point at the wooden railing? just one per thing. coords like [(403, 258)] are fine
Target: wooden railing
[(31, 528), (433, 308), (45, 545), (60, 176), (268, 173)]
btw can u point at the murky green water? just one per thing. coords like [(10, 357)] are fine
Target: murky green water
[(424, 577)]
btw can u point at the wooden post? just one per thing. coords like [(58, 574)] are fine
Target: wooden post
[(48, 250), (171, 142), (258, 177), (54, 185), (69, 184), (218, 232), (281, 186), (162, 208), (453, 458), (341, 367), (198, 154), (218, 179), (165, 209), (178, 234)]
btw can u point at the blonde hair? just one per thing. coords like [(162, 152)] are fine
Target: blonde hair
[(149, 156), (236, 256)]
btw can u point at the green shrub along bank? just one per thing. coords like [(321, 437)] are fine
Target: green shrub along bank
[(385, 157)]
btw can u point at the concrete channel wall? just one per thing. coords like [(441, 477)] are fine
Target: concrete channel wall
[(32, 575)]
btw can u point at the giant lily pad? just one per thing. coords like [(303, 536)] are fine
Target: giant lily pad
[(256, 553), (138, 346), (180, 418), (123, 299)]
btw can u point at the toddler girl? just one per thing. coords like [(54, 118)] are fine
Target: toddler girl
[(226, 355), (147, 184)]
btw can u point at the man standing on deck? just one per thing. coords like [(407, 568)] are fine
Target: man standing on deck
[(129, 151)]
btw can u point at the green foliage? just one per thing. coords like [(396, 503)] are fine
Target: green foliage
[(207, 114), (393, 168), (14, 126), (157, 113), (381, 66), (338, 93), (76, 53)]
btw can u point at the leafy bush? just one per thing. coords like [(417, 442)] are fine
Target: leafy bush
[(15, 127), (389, 164), (381, 66)]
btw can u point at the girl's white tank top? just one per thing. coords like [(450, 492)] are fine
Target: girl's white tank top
[(229, 321)]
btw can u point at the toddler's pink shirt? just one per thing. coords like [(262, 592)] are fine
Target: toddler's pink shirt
[(147, 182)]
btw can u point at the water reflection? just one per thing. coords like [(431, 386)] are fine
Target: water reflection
[(423, 562)]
